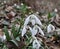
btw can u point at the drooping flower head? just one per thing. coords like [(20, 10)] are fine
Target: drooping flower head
[(50, 28), (33, 19), (36, 44)]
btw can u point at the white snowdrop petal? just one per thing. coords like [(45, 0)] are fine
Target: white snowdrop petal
[(30, 28), (56, 10), (53, 28), (15, 4), (34, 37), (33, 31), (50, 28), (23, 31), (22, 4), (4, 37), (26, 21), (36, 44), (38, 21), (40, 30)]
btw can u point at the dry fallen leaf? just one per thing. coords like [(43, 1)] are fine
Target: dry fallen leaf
[(9, 8), (11, 14)]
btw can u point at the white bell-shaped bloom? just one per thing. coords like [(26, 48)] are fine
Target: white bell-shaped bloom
[(36, 44), (2, 38), (55, 10), (38, 21), (24, 31), (15, 4), (33, 19), (50, 28)]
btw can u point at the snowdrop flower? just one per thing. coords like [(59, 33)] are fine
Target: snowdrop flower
[(33, 19), (38, 21), (56, 10), (50, 28), (15, 4), (2, 38), (24, 31), (22, 4), (35, 29), (36, 44), (4, 1)]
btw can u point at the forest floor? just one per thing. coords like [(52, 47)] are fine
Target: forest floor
[(10, 12)]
